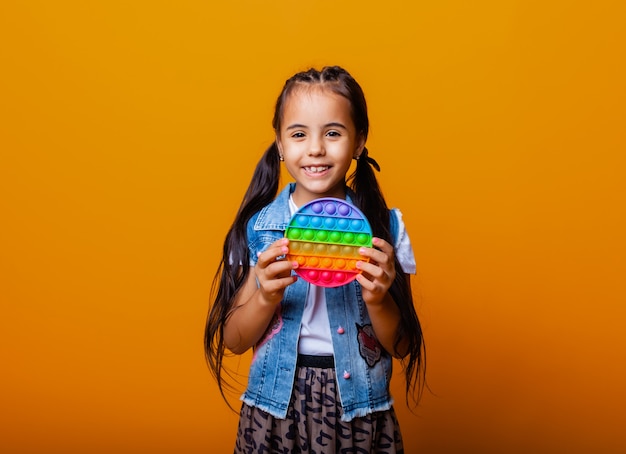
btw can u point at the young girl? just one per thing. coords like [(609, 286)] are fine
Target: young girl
[(319, 378)]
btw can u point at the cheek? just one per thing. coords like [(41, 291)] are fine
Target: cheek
[(342, 149), (291, 149)]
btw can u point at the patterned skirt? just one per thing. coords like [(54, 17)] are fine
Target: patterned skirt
[(313, 424)]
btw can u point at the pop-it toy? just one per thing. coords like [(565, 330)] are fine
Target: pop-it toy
[(325, 236)]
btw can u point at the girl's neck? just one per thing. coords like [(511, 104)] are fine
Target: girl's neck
[(302, 198)]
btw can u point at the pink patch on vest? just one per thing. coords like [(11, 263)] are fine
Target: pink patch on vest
[(369, 347), (274, 327)]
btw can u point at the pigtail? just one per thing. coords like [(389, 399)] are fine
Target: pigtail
[(368, 195), (235, 264), (369, 199)]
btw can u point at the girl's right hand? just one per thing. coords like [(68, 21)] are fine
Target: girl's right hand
[(273, 271)]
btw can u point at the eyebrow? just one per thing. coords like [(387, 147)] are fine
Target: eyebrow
[(327, 125)]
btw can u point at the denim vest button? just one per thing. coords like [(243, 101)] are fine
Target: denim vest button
[(346, 375), (340, 330)]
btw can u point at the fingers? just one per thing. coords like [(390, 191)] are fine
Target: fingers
[(274, 253), (272, 289), (381, 254), (273, 271), (379, 273)]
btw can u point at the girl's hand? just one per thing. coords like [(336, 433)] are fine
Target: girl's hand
[(273, 271), (379, 273)]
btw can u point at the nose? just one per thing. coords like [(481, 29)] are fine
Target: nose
[(316, 147)]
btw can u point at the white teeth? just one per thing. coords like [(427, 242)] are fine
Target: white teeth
[(316, 169)]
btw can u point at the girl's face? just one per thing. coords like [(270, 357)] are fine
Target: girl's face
[(318, 141)]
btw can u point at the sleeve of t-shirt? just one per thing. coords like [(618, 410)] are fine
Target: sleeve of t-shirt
[(403, 247)]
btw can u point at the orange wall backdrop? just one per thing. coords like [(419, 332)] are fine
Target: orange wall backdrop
[(128, 133)]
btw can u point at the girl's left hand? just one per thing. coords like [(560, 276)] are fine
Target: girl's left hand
[(379, 273)]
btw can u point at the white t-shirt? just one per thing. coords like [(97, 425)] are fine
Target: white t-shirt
[(315, 337)]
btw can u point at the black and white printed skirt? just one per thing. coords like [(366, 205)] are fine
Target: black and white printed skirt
[(313, 424)]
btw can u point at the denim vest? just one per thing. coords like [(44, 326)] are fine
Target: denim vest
[(363, 367)]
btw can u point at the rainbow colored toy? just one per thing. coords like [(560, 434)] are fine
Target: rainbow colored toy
[(325, 236)]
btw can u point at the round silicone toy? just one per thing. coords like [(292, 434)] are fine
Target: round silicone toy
[(325, 236)]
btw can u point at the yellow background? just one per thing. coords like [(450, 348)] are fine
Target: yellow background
[(128, 133)]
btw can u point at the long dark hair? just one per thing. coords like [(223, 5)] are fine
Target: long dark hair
[(235, 264)]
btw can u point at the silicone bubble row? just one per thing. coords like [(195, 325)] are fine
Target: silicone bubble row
[(321, 249), (327, 278), (329, 223), (332, 236), (330, 207), (325, 263)]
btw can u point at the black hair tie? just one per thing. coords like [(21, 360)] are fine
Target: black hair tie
[(371, 161)]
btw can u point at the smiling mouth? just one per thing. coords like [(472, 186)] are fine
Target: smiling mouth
[(316, 169)]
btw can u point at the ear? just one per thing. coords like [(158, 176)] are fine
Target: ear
[(279, 145), (360, 144)]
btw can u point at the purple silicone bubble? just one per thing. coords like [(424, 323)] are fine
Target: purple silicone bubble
[(317, 208)]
